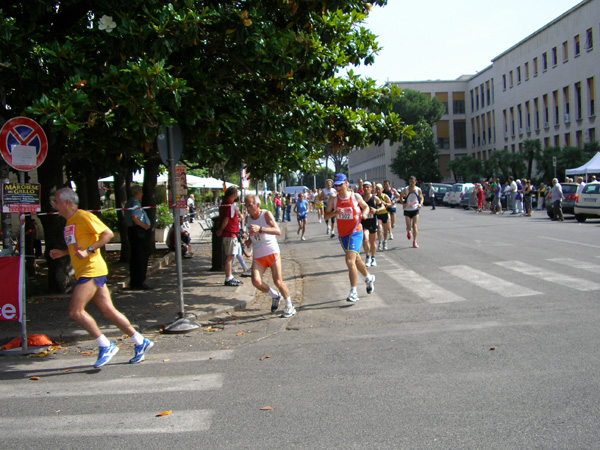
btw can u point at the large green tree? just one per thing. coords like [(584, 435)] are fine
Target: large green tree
[(418, 156), (413, 106)]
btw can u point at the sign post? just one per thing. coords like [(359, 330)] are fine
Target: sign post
[(24, 146), (170, 147)]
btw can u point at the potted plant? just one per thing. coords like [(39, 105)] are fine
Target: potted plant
[(164, 219)]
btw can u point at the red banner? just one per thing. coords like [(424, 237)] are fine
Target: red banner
[(10, 280)]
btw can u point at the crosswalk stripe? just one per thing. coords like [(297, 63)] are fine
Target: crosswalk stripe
[(419, 285), (489, 282), (119, 386), (577, 264), (367, 301), (550, 276), (58, 363), (110, 424)]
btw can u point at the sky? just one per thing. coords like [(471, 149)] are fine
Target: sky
[(444, 39)]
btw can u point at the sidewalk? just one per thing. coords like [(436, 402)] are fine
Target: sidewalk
[(205, 296)]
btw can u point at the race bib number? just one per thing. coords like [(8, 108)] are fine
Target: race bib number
[(69, 234), (345, 214)]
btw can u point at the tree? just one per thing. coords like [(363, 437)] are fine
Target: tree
[(466, 169), (532, 150), (413, 106), (418, 156)]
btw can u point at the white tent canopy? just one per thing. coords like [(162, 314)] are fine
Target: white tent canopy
[(592, 166), (192, 180)]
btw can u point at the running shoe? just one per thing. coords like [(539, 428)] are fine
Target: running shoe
[(380, 246), (140, 351), (298, 232), (332, 235), (233, 282), (373, 262), (275, 304), (302, 238), (105, 354), (289, 311), (385, 245), (408, 235), (368, 263), (328, 229), (415, 245), (353, 297), (370, 282), (391, 236)]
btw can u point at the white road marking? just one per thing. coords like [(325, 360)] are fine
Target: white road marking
[(569, 242), (111, 424), (577, 264), (489, 282), (579, 284), (121, 386)]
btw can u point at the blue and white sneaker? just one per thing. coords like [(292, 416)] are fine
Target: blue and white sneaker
[(370, 282), (140, 351), (105, 354), (353, 297)]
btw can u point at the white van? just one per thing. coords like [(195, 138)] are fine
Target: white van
[(456, 193), (587, 203)]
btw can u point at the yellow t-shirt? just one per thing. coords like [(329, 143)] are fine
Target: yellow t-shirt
[(384, 198), (81, 231)]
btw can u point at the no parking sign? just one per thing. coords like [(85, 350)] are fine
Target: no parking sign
[(23, 143)]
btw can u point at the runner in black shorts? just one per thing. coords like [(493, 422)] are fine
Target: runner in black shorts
[(370, 224), (412, 201)]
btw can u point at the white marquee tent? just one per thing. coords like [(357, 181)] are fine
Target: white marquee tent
[(192, 181), (592, 166)]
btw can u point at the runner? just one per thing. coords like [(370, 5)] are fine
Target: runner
[(84, 235), (370, 223), (412, 201), (383, 217), (393, 195), (300, 208), (262, 230), (326, 194), (349, 208), (319, 206)]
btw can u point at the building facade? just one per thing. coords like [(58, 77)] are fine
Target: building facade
[(541, 88)]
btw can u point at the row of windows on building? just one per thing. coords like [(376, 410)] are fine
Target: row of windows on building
[(589, 45)]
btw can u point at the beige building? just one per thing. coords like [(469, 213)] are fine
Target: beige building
[(541, 88)]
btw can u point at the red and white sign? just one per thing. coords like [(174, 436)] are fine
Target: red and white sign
[(10, 279), (23, 144), (180, 187)]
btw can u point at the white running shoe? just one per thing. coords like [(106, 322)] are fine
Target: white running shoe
[(380, 246), (385, 245), (328, 229), (289, 311), (370, 284), (368, 263), (373, 262), (391, 236), (353, 297)]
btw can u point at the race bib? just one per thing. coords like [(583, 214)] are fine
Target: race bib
[(345, 214), (69, 234)]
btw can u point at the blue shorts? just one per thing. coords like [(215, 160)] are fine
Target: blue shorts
[(301, 217), (352, 242), (100, 281)]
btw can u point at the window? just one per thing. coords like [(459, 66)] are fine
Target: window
[(526, 71), (567, 104), (546, 111), (535, 67), (528, 116), (591, 94), (565, 51), (520, 118), (536, 108), (460, 134), (554, 57), (512, 121), (576, 45), (519, 75), (578, 111), (504, 81), (510, 79), (544, 62), (589, 39)]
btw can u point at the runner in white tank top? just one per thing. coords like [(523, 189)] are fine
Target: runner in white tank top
[(263, 232)]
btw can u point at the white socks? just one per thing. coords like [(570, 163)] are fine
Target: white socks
[(103, 341)]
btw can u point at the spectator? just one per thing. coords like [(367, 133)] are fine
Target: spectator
[(556, 197), (138, 232), (229, 226), (186, 241)]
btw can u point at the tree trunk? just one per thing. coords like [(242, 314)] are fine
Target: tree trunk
[(149, 193)]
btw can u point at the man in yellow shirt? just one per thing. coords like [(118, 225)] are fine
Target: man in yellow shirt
[(84, 235)]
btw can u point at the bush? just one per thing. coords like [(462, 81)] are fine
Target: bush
[(111, 220), (164, 218)]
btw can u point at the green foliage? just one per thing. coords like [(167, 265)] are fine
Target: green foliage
[(413, 106), (164, 218), (110, 219), (418, 156), (466, 169)]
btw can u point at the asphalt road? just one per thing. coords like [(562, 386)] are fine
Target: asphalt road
[(484, 337)]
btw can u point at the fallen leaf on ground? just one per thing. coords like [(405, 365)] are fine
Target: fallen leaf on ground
[(164, 413), (267, 408), (88, 353), (265, 357), (492, 348), (224, 348), (40, 354), (240, 334), (166, 360), (211, 357), (34, 378), (68, 370)]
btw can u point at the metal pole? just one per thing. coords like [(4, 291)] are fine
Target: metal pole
[(176, 225), (22, 279)]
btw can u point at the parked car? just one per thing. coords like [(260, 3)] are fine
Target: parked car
[(440, 190), (469, 199), (456, 193), (588, 202), (568, 204)]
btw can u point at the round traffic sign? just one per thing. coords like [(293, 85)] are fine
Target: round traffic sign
[(23, 143)]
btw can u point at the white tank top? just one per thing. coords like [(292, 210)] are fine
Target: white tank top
[(262, 244)]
